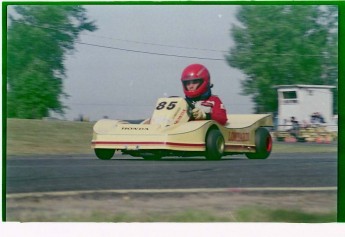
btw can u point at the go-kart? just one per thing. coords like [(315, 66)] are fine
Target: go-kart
[(171, 132)]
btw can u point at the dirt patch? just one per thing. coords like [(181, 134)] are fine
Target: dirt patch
[(143, 207)]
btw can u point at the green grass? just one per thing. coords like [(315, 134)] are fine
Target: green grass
[(185, 216), (246, 214), (242, 215), (27, 137), (38, 137), (303, 147), (255, 214)]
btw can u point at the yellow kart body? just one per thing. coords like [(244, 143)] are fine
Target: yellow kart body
[(171, 132)]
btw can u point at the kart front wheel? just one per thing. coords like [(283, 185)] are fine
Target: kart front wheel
[(104, 154), (214, 145), (263, 144)]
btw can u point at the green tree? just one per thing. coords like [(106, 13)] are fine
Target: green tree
[(329, 18), (38, 39), (282, 45)]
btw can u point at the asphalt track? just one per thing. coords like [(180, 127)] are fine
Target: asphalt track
[(87, 173)]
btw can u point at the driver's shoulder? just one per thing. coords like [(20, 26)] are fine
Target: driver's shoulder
[(214, 98)]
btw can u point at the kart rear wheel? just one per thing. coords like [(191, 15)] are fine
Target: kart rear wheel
[(104, 154), (214, 145), (263, 144)]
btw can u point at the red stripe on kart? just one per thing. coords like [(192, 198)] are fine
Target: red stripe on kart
[(147, 143)]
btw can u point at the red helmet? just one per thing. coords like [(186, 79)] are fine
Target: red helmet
[(196, 72)]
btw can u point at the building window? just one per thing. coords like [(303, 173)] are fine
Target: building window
[(289, 97)]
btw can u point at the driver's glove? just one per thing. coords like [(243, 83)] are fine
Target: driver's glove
[(198, 114)]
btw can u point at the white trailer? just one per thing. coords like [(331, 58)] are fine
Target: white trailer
[(301, 101)]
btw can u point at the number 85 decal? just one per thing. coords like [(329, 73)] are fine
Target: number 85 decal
[(170, 106)]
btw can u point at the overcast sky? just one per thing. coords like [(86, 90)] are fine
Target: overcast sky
[(122, 84)]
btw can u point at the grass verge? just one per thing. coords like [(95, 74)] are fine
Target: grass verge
[(242, 215), (31, 137), (247, 214), (299, 207), (255, 214)]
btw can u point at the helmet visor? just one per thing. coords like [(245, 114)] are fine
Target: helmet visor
[(192, 81)]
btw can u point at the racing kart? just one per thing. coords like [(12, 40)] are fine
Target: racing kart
[(171, 132)]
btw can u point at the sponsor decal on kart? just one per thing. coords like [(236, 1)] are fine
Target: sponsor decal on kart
[(134, 128), (180, 116), (238, 136)]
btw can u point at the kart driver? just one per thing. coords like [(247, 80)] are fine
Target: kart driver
[(197, 86)]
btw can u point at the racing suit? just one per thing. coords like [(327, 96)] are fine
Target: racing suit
[(213, 107)]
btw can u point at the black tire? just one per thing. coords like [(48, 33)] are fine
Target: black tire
[(104, 154), (214, 145), (263, 144)]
